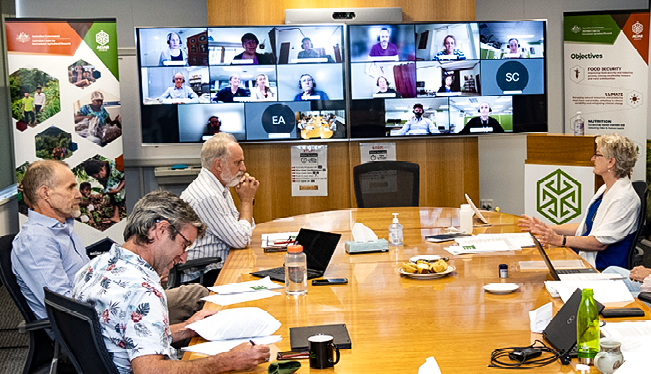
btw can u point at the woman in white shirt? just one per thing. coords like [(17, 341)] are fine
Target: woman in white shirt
[(261, 91), (606, 233)]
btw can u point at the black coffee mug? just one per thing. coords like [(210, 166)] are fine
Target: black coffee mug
[(321, 351)]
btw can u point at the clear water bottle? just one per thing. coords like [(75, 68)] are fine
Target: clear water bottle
[(395, 232), (587, 328), (578, 125), (465, 218), (295, 271)]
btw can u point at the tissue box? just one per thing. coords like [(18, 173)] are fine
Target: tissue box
[(380, 245)]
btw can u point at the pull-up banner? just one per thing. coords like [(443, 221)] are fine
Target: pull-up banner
[(606, 57), (65, 98)]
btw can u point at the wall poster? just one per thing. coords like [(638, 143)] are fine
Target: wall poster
[(606, 57), (65, 101), (310, 170)]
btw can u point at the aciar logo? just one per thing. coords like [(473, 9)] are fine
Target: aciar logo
[(558, 197), (102, 39)]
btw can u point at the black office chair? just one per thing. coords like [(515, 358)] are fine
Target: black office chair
[(174, 277), (41, 347), (634, 257), (77, 329), (386, 184)]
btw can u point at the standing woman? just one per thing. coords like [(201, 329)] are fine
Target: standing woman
[(606, 233)]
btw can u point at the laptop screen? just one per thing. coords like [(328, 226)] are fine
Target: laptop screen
[(548, 262), (318, 246)]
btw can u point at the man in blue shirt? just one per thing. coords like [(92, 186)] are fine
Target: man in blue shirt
[(48, 253), (418, 125)]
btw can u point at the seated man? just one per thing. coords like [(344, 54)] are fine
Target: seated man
[(124, 287), (418, 125), (179, 93), (48, 252), (222, 162)]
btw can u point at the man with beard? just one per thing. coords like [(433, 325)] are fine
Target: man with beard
[(48, 251), (222, 162)]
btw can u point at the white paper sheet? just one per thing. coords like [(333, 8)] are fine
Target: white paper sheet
[(237, 323), (257, 285), (636, 362), (514, 241), (429, 367), (221, 346), (540, 318), (239, 297), (269, 240), (605, 291), (477, 245)]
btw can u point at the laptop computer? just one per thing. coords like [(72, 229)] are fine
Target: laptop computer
[(318, 247), (550, 266), (561, 331)]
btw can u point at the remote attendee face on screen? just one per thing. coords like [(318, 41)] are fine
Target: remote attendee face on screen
[(383, 84), (178, 80), (307, 83), (449, 43), (307, 44), (174, 41), (384, 38), (234, 82), (250, 44), (513, 45), (484, 110)]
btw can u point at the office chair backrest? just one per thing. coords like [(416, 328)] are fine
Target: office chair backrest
[(41, 349), (386, 184), (642, 191), (76, 327)]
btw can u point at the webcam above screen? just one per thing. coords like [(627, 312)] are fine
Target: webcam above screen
[(342, 15)]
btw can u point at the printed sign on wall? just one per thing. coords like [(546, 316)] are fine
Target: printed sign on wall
[(65, 98), (606, 76)]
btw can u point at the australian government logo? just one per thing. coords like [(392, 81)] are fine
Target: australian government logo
[(102, 38), (576, 29), (558, 197), (22, 37)]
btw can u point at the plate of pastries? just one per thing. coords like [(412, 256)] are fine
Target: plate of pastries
[(426, 268)]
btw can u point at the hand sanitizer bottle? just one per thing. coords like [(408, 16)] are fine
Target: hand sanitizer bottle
[(395, 232), (465, 219)]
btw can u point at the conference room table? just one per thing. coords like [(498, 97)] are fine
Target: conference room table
[(395, 322)]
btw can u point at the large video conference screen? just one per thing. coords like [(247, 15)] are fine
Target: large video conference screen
[(447, 78), (257, 83), (264, 83)]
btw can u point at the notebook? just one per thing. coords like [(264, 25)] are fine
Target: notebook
[(550, 266), (318, 247), (298, 336), (561, 331)]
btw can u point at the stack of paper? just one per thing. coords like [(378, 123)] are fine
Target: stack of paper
[(232, 327), (245, 291)]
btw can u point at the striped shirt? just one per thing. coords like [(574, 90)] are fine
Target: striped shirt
[(214, 205)]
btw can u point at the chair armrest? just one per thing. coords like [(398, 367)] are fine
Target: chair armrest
[(24, 327), (200, 262)]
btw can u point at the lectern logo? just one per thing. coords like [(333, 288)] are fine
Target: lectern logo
[(558, 197)]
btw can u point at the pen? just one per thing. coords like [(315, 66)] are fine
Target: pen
[(251, 341)]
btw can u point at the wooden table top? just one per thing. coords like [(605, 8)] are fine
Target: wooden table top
[(396, 323)]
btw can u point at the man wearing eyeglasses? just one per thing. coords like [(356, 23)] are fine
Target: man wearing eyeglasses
[(222, 162), (47, 252), (123, 286)]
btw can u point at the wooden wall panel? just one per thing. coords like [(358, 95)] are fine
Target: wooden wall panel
[(449, 168), (265, 12), (271, 165)]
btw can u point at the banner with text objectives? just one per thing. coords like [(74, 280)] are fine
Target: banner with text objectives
[(65, 98), (606, 75)]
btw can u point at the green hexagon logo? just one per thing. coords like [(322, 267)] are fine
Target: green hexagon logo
[(558, 197)]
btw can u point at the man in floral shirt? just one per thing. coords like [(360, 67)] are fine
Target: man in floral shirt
[(124, 287)]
